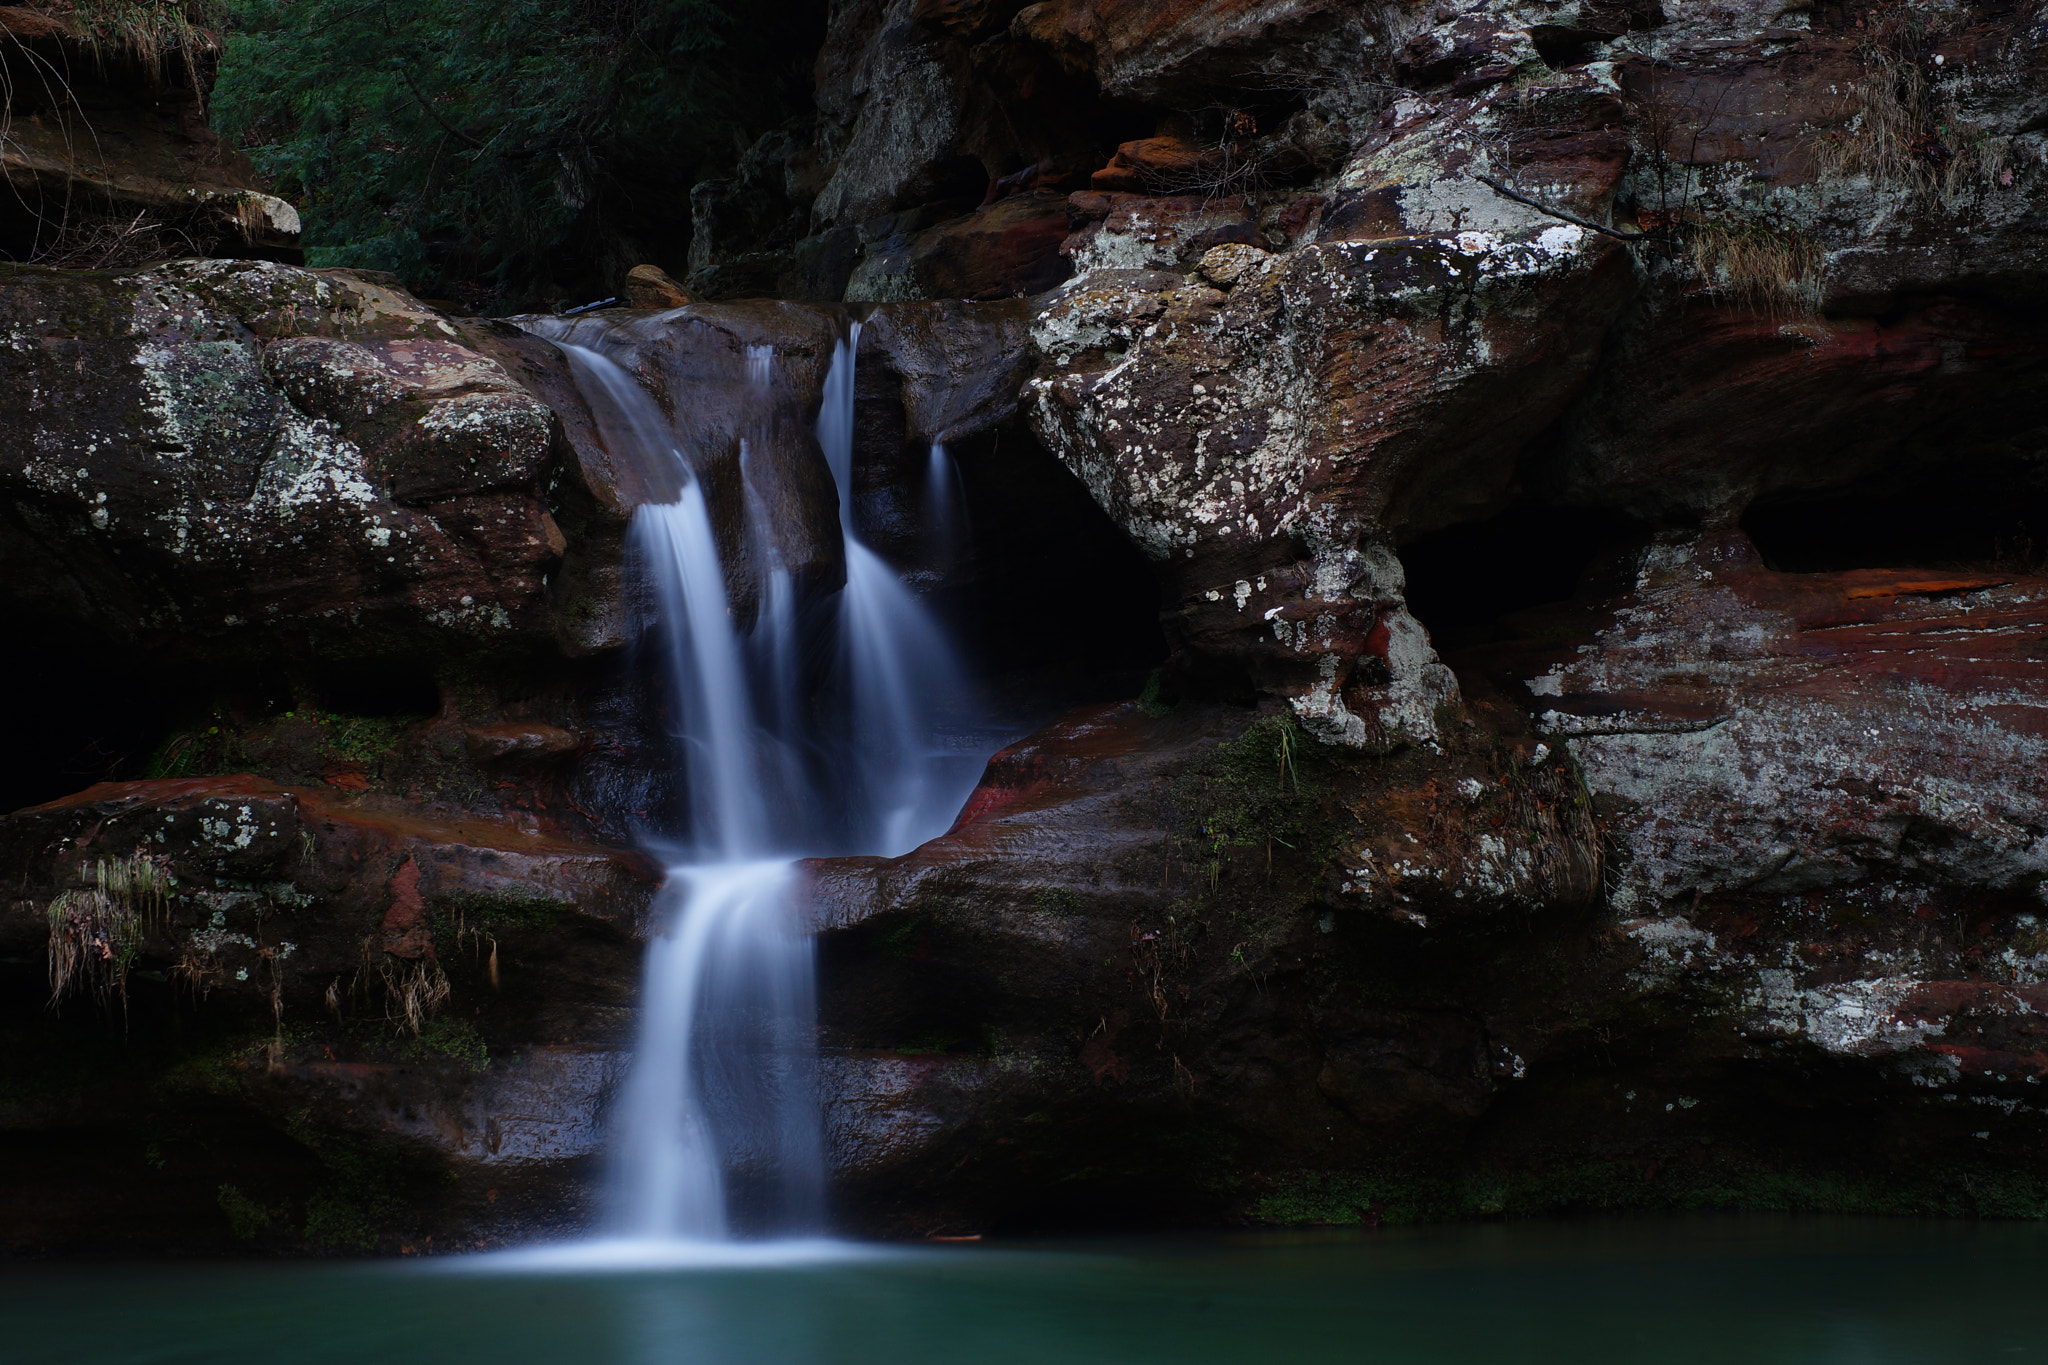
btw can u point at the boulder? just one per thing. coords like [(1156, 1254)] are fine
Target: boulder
[(647, 286), (268, 460)]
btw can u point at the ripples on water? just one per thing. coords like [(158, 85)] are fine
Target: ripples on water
[(1813, 1291)]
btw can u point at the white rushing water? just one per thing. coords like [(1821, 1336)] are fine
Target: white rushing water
[(782, 760), (945, 507)]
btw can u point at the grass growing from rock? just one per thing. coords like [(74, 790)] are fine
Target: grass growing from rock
[(1900, 128), (1256, 792), (1771, 270), (96, 933)]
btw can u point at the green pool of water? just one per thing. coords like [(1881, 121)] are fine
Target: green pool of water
[(1724, 1290)]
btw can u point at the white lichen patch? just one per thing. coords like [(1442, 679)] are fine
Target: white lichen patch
[(1856, 1017)]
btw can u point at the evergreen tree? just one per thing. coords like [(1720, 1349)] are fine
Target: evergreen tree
[(452, 140)]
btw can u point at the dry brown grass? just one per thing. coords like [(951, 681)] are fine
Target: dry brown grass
[(413, 992), (1901, 130), (151, 32), (1774, 271)]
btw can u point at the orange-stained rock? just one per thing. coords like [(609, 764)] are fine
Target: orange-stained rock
[(1156, 165), (648, 286), (1007, 249), (516, 742)]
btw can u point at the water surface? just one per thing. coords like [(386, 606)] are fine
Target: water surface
[(1722, 1290)]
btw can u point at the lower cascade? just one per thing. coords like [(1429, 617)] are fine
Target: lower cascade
[(827, 725)]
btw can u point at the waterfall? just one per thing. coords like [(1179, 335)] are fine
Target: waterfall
[(781, 762), (945, 507)]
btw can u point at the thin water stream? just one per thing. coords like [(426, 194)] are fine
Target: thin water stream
[(788, 751)]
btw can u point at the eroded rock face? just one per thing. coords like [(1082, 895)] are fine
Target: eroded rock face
[(109, 157), (1791, 733), (1822, 794), (1266, 445)]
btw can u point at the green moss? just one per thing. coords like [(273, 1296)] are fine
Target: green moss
[(339, 1222), (1639, 1185), (901, 939), (476, 917), (199, 752), (360, 1199), (220, 747), (217, 1069), (365, 739), (447, 1038), (1257, 788), (939, 1044), (1148, 699), (1321, 1198), (1055, 900), (246, 1218), (506, 913)]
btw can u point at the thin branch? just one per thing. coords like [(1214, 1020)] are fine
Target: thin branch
[(1502, 189), (406, 75)]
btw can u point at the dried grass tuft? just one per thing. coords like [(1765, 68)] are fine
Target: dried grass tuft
[(1771, 270), (414, 992), (97, 932), (1900, 130)]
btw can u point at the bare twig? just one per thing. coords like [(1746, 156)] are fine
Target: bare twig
[(1501, 188)]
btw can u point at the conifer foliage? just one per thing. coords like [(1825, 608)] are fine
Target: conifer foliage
[(452, 140)]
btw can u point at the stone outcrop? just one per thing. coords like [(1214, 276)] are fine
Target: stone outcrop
[(253, 458), (1636, 273), (396, 1016)]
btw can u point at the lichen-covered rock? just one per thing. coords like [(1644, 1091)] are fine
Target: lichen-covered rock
[(1266, 445), (264, 458), (1847, 755), (1791, 733)]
